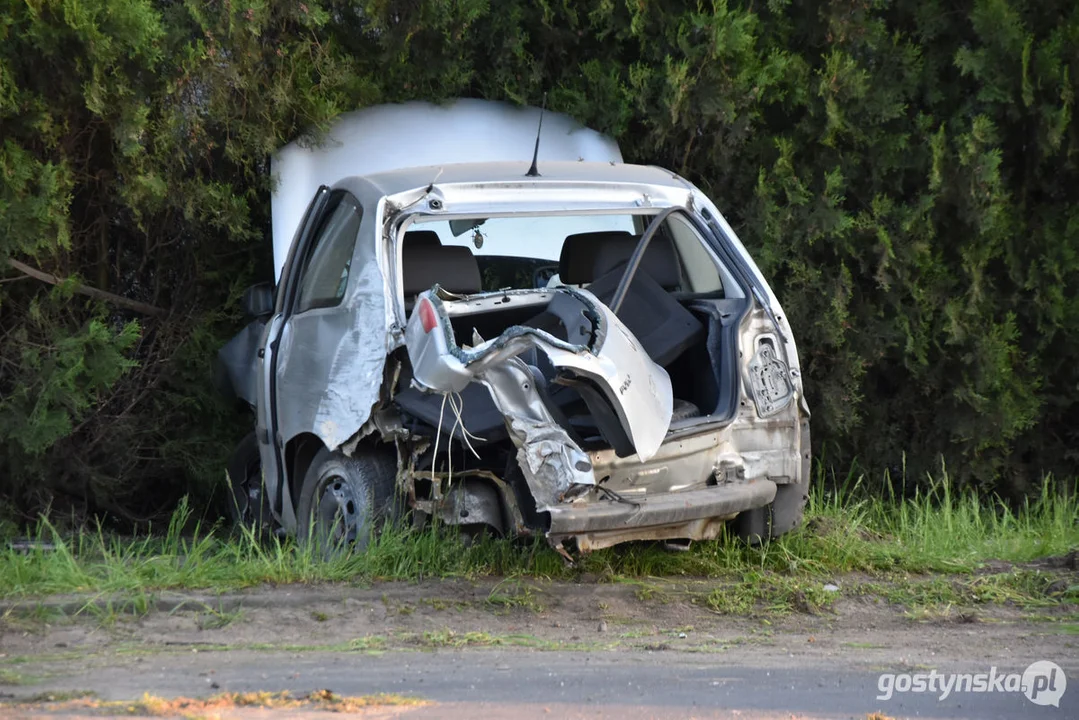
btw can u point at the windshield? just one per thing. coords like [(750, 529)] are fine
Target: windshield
[(510, 252), (539, 238), (470, 255)]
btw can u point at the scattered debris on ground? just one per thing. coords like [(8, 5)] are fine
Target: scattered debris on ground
[(221, 705)]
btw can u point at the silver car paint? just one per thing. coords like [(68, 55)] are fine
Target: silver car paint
[(638, 389), (553, 464), (335, 393), (326, 356)]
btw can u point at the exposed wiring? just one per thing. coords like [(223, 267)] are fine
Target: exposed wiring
[(457, 405), (438, 436)]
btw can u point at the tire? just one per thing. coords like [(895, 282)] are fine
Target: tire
[(780, 516), (788, 508), (248, 505), (683, 410), (344, 501)]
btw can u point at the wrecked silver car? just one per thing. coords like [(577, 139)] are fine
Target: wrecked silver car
[(524, 342)]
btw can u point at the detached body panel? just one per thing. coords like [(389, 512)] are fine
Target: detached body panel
[(605, 352)]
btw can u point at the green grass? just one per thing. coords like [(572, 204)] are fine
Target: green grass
[(10, 677), (846, 530), (512, 594), (771, 592)]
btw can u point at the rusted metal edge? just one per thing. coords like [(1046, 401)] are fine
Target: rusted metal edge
[(666, 509)]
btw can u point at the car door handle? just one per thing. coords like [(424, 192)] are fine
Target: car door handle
[(262, 352)]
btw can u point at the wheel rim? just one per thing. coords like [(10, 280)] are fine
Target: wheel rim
[(338, 516)]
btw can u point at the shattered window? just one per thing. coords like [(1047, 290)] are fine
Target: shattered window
[(325, 273)]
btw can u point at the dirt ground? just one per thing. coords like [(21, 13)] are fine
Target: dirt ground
[(49, 651)]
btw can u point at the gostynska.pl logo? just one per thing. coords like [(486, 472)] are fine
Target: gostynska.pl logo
[(1042, 683)]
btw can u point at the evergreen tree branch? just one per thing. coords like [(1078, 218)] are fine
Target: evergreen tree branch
[(139, 307)]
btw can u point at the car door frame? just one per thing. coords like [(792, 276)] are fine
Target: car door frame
[(271, 444)]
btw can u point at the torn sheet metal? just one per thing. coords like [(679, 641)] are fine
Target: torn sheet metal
[(327, 357), (553, 465), (607, 353)]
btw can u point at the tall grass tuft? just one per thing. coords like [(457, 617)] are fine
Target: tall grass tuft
[(846, 529)]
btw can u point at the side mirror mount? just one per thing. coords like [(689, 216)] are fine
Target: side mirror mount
[(257, 300)]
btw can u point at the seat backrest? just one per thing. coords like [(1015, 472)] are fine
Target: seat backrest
[(422, 238), (426, 261), (577, 261), (664, 328), (660, 260), (587, 256)]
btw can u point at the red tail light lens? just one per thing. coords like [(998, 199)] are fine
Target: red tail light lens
[(427, 315)]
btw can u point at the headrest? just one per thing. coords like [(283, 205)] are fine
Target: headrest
[(578, 258), (422, 238), (659, 261), (453, 267)]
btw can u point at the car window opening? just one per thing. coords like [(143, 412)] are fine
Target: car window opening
[(679, 305)]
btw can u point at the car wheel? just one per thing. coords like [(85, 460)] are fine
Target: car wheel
[(247, 502), (344, 501), (781, 515)]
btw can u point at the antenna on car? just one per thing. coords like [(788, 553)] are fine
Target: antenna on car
[(534, 171)]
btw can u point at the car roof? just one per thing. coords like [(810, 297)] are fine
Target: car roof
[(502, 173)]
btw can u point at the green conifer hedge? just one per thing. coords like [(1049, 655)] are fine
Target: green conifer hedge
[(905, 172)]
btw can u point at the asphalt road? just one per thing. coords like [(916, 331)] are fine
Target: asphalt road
[(565, 650), (528, 684)]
